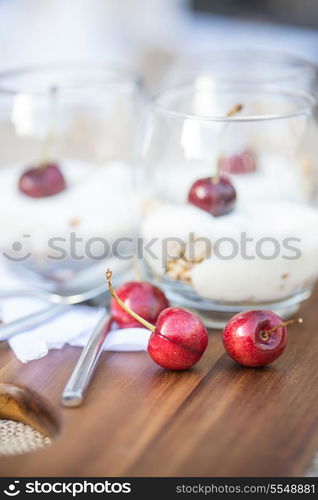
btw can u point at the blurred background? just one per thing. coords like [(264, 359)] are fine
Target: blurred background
[(149, 34)]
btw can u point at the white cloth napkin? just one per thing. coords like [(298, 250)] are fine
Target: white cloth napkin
[(72, 327)]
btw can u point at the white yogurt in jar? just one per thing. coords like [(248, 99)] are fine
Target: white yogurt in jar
[(280, 261), (98, 202)]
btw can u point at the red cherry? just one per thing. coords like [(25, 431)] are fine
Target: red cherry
[(255, 338), (39, 182), (216, 196), (242, 163), (143, 298), (178, 339)]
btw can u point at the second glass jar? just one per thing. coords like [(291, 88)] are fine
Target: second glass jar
[(212, 251)]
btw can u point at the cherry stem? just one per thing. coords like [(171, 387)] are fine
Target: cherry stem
[(50, 136), (123, 305), (233, 111), (265, 335)]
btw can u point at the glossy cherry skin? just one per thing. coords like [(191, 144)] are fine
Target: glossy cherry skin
[(179, 340), (242, 163), (242, 338), (43, 181), (144, 299), (217, 198)]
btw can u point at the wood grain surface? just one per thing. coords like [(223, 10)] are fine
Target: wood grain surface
[(218, 419)]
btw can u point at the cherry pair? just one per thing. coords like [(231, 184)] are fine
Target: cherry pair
[(179, 338), (216, 194)]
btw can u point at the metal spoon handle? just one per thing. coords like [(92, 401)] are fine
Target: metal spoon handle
[(74, 390), (10, 329)]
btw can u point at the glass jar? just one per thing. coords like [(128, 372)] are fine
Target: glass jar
[(220, 255), (82, 119)]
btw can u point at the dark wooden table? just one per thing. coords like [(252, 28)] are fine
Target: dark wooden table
[(218, 419)]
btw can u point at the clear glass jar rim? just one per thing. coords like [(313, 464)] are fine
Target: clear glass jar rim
[(216, 55), (126, 76), (310, 97)]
